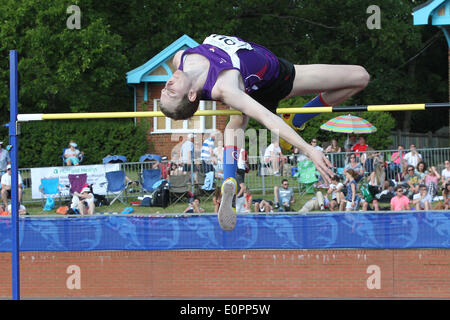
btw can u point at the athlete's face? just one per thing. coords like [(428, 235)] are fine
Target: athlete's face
[(175, 89)]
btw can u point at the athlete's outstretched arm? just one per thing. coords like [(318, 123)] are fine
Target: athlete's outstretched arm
[(239, 100)]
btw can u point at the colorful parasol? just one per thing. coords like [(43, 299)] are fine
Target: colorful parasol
[(348, 124)]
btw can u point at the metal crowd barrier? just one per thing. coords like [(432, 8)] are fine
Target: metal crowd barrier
[(261, 178)]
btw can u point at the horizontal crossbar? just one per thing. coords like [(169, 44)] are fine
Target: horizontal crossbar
[(151, 114)]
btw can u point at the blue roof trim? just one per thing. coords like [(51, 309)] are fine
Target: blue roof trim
[(137, 75), (422, 13)]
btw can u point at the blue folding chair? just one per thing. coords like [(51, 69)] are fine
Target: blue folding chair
[(116, 185), (50, 187), (148, 178), (114, 159)]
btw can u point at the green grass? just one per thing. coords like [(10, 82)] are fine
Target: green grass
[(35, 208)]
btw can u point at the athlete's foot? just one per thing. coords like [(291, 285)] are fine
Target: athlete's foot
[(226, 214)]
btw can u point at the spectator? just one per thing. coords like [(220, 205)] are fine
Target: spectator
[(22, 209), (216, 199), (72, 155), (355, 166), (207, 153), (360, 147), (4, 158), (240, 179), (446, 196), (273, 155), (445, 174), (376, 182), (175, 169), (421, 170), (6, 186), (350, 142), (351, 198), (412, 158), (187, 153), (314, 143), (400, 201), (431, 181), (411, 180), (397, 162), (262, 205), (217, 161), (422, 200), (316, 203), (284, 196), (248, 200), (194, 207), (83, 201), (334, 191), (387, 192), (333, 147)]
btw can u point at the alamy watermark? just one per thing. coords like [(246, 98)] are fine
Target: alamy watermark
[(374, 20), (74, 20)]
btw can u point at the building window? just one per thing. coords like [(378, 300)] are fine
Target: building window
[(193, 125)]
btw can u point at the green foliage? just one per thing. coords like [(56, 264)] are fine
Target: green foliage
[(41, 143), (383, 121)]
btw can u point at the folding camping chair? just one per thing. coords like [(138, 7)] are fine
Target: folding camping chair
[(50, 187), (206, 184), (178, 187), (306, 176), (148, 178), (116, 185)]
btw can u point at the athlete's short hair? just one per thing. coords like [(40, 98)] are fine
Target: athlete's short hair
[(184, 110)]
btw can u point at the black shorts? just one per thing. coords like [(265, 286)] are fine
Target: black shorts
[(271, 93)]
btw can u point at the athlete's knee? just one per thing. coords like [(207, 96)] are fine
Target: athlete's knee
[(361, 76)]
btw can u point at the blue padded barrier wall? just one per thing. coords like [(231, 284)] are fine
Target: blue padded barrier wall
[(312, 231)]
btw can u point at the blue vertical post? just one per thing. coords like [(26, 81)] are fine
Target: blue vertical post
[(14, 142)]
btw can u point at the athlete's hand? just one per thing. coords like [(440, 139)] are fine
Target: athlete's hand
[(323, 165)]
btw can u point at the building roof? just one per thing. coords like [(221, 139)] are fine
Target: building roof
[(435, 11), (143, 73)]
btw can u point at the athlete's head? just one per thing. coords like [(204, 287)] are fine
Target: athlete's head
[(178, 100)]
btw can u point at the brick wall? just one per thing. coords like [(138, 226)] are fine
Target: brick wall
[(232, 274), (161, 143)]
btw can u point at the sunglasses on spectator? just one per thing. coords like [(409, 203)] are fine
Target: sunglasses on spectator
[(410, 169), (399, 190)]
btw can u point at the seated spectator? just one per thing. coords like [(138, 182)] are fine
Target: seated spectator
[(387, 192), (72, 155), (400, 202), (422, 200), (333, 147), (355, 166), (22, 209), (83, 202), (217, 197), (376, 182), (319, 202), (194, 207), (352, 199), (248, 200), (432, 181), (350, 142), (411, 181), (6, 186), (217, 161), (397, 163), (175, 169), (283, 196), (446, 196), (360, 147), (262, 205), (240, 179), (412, 158), (315, 144), (445, 174), (4, 158), (421, 170), (334, 191), (274, 157), (370, 159)]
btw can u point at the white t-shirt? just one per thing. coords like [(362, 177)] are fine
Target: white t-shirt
[(413, 160), (186, 148), (334, 187), (445, 174), (6, 179), (271, 148), (425, 199)]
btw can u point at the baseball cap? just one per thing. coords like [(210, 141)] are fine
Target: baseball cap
[(86, 189), (73, 144), (8, 167)]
